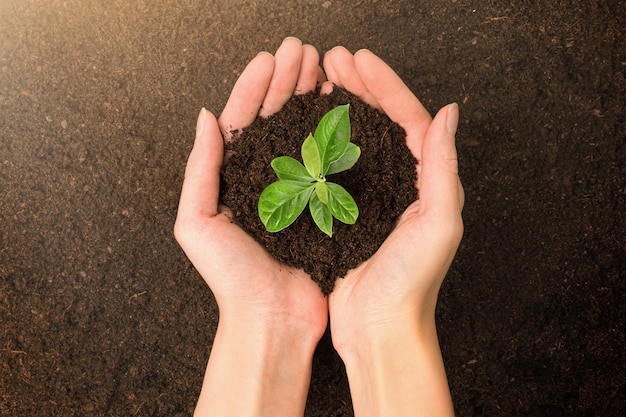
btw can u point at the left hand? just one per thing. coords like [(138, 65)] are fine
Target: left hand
[(249, 285)]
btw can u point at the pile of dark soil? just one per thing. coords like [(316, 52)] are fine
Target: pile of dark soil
[(382, 183)]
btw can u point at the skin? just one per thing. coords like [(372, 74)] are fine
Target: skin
[(271, 315), (382, 314)]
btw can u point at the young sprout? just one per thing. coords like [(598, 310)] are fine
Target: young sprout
[(327, 151)]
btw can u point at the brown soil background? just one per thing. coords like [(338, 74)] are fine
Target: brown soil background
[(382, 182), (101, 313)]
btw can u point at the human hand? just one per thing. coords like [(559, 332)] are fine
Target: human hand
[(241, 274), (271, 315), (382, 313)]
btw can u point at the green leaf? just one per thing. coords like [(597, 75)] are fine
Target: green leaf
[(333, 135), (322, 192), (341, 204), (346, 161), (329, 151), (311, 157), (288, 168), (282, 202), (321, 215)]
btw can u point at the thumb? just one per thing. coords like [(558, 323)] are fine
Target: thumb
[(200, 193), (441, 192)]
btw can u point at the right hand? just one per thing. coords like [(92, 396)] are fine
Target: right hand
[(398, 285)]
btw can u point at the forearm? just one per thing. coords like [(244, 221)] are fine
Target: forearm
[(256, 372), (399, 373)]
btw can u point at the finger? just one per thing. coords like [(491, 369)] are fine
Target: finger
[(309, 70), (331, 73), (248, 94), (227, 212), (288, 58), (440, 188), (345, 74), (327, 87), (200, 192), (321, 77), (393, 96)]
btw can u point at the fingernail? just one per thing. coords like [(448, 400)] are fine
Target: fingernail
[(200, 122), (333, 48), (452, 120), (290, 38)]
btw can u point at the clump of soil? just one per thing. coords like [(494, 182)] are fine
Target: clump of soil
[(382, 183)]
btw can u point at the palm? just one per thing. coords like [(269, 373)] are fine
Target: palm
[(242, 275)]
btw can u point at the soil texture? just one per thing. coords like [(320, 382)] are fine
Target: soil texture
[(101, 313), (383, 184)]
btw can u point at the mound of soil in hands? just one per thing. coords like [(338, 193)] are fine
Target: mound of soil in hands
[(382, 183)]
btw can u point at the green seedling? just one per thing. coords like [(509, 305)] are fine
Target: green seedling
[(327, 151)]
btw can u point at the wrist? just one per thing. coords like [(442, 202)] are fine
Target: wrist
[(269, 337), (398, 371), (383, 341), (257, 371), (273, 326), (391, 327)]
